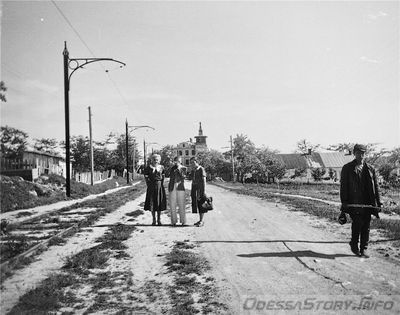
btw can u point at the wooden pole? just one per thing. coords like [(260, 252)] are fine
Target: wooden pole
[(91, 148)]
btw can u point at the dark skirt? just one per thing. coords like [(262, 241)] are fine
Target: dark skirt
[(195, 195), (156, 199)]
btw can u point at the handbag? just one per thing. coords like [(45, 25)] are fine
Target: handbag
[(342, 218), (207, 203)]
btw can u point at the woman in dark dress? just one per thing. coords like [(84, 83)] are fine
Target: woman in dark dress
[(156, 200), (198, 176)]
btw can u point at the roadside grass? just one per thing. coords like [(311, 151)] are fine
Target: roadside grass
[(16, 245), (188, 267), (114, 237), (90, 258), (49, 295), (331, 192), (79, 270), (15, 192), (391, 227)]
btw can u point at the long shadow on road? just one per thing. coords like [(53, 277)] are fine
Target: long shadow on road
[(292, 241), (295, 254)]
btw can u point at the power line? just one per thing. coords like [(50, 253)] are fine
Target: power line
[(73, 28), (88, 48)]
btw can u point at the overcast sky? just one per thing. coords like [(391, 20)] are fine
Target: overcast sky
[(277, 72)]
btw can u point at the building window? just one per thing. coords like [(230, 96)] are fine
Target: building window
[(180, 152), (187, 162), (193, 152), (186, 152)]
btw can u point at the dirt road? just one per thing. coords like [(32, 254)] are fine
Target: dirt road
[(264, 258), (264, 252)]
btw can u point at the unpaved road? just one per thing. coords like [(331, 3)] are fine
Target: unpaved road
[(262, 254), (260, 250)]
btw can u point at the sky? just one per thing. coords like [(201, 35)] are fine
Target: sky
[(278, 72)]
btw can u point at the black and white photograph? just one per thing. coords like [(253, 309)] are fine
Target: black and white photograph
[(199, 157)]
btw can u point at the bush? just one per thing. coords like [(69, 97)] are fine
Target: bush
[(318, 173)]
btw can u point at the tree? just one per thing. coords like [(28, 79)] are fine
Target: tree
[(304, 147), (341, 147), (118, 156), (243, 149), (167, 155), (13, 142), (2, 89), (318, 173), (272, 166), (47, 145), (80, 153), (214, 163)]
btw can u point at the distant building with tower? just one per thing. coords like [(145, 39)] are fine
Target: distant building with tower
[(188, 149)]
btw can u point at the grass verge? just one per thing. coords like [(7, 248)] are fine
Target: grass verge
[(82, 269), (192, 291), (105, 204)]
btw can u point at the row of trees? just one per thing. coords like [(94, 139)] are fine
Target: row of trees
[(14, 142), (261, 163)]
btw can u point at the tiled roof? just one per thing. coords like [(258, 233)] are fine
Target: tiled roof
[(316, 159), (335, 159)]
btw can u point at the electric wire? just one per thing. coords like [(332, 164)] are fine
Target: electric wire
[(91, 52)]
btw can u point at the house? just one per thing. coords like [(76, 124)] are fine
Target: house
[(331, 161), (46, 163), (189, 149), (33, 164)]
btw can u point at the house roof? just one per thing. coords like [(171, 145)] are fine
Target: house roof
[(293, 161), (316, 159), (335, 159), (44, 153)]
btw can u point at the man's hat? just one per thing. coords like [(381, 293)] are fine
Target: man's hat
[(360, 147)]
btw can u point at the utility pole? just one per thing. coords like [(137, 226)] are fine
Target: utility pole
[(144, 152), (73, 64), (66, 110), (133, 159), (91, 147), (127, 152), (233, 164)]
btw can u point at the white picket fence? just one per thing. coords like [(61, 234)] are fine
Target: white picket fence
[(97, 176)]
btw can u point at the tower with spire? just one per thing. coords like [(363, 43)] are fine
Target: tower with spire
[(189, 149), (201, 140)]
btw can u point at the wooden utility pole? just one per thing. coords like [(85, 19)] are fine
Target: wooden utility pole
[(233, 164), (133, 159), (127, 152), (91, 147), (144, 152)]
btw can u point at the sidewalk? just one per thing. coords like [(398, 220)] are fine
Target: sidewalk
[(12, 216)]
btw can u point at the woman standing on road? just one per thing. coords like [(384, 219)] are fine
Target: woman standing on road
[(198, 176), (176, 189), (155, 195)]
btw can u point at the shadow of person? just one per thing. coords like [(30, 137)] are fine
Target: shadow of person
[(295, 254)]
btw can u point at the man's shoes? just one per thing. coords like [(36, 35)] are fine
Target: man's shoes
[(154, 223), (197, 223), (159, 223), (355, 250), (364, 253), (200, 223)]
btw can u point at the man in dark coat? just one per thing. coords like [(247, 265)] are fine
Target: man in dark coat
[(359, 196)]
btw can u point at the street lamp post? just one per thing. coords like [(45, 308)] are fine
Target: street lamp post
[(78, 63), (232, 160), (127, 154)]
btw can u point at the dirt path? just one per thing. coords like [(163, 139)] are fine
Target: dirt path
[(260, 253), (259, 249), (14, 216), (53, 259)]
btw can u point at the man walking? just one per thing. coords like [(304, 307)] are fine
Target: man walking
[(359, 196)]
